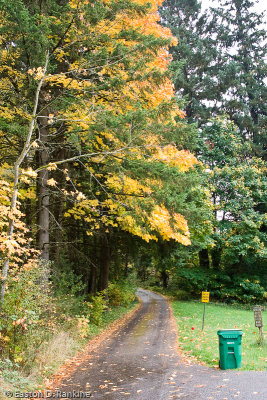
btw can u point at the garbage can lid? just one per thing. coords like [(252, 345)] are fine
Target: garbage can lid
[(230, 331)]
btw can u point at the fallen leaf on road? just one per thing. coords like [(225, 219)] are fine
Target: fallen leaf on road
[(103, 386)]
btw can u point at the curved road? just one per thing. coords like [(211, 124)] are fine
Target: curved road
[(140, 362)]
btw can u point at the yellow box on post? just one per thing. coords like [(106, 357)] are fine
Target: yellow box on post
[(205, 297)]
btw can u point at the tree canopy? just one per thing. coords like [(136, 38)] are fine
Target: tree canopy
[(89, 108)]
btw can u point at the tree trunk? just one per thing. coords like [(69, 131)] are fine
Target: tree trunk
[(58, 235), (43, 191), (92, 281), (104, 263), (204, 259), (58, 201), (126, 269), (164, 278), (216, 257)]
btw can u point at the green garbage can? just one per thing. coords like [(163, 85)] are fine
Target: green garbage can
[(230, 348)]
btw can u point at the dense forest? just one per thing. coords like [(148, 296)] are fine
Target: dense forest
[(132, 152)]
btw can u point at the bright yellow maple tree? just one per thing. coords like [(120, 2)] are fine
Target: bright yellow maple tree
[(146, 87), (99, 81)]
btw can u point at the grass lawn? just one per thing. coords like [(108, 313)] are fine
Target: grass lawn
[(204, 345)]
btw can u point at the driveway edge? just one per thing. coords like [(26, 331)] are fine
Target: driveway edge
[(84, 354)]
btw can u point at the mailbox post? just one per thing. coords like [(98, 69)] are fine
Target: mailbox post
[(205, 298), (258, 320)]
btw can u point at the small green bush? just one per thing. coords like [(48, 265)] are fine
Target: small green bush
[(10, 372), (121, 294), (181, 295), (69, 292), (28, 301), (97, 307)]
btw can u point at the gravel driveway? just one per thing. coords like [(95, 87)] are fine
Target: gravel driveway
[(140, 362)]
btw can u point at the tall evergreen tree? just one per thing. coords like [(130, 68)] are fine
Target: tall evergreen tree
[(193, 66), (219, 66), (240, 33), (238, 184), (219, 63)]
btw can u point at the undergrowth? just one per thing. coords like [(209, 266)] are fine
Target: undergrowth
[(43, 324)]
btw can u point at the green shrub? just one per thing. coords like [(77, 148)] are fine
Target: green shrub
[(181, 295), (121, 294), (69, 292), (28, 301), (10, 373), (155, 288), (97, 307), (242, 289)]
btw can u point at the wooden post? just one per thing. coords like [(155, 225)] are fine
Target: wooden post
[(205, 298), (261, 335), (203, 316), (258, 321)]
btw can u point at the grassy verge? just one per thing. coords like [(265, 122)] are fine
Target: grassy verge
[(203, 346), (114, 314), (59, 347)]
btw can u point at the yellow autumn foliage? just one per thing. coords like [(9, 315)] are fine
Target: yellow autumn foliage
[(93, 98), (17, 247), (126, 192)]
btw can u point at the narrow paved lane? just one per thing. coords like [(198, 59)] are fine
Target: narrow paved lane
[(140, 362)]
